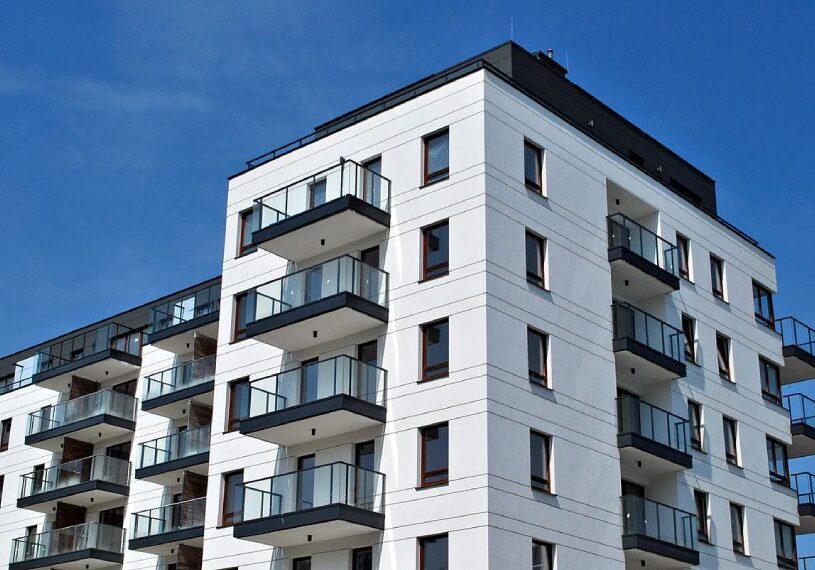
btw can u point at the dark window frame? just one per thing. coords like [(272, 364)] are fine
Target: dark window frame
[(762, 292), (363, 550), (296, 562), (683, 256), (724, 342), (765, 368), (541, 482), (441, 174), (246, 221), (689, 336), (739, 540), (424, 474), (548, 551), (533, 276), (439, 269), (241, 304), (700, 501), (229, 518), (422, 540), (696, 426), (440, 369), (717, 270), (730, 425), (5, 434), (775, 449), (233, 419), (534, 185), (541, 378), (787, 562)]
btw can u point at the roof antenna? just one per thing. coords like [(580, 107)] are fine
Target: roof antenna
[(511, 28)]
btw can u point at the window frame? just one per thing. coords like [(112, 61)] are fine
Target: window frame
[(542, 378), (233, 421), (690, 343), (5, 434), (696, 425), (441, 369), (783, 561), (764, 368), (230, 518), (295, 562), (422, 540), (361, 550), (424, 474), (761, 290), (444, 267), (441, 174), (538, 279), (725, 374), (730, 425), (717, 265), (740, 542), (544, 482), (774, 448), (245, 220), (684, 257), (534, 185), (548, 551), (702, 524), (240, 303)]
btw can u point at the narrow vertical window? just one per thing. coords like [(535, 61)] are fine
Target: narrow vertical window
[(536, 348), (435, 250), (5, 434), (542, 556), (533, 167), (730, 440), (238, 403), (362, 559), (2, 482), (689, 334), (539, 446), (777, 462), (785, 553), (723, 356), (535, 259), (717, 277), (763, 305), (695, 418), (244, 312), (248, 224), (683, 252), (700, 500), (434, 455), (737, 527), (433, 552), (372, 183), (436, 157), (435, 350), (303, 563), (770, 380), (232, 507)]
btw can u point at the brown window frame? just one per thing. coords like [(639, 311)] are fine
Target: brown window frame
[(233, 422), (541, 482), (422, 540), (689, 336), (534, 185), (740, 542), (534, 277), (717, 266), (243, 225), (786, 562), (5, 434), (541, 378), (683, 256), (439, 269), (424, 474), (728, 425), (441, 369), (764, 369), (441, 174), (700, 501), (229, 518), (775, 447), (724, 342), (240, 305), (696, 427), (760, 291)]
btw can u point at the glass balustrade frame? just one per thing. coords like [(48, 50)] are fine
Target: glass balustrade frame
[(625, 233), (69, 475), (113, 407), (183, 376)]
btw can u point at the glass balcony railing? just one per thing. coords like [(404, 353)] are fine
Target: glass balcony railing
[(637, 417), (625, 232), (635, 324), (801, 408), (343, 274), (806, 563), (317, 380), (176, 446), (192, 306), (332, 484), (169, 518), (109, 337), (644, 517), (804, 485), (67, 540), (795, 333), (179, 377), (343, 179), (94, 468), (103, 402)]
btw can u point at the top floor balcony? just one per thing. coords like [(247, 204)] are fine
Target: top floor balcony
[(324, 211), (168, 393), (798, 341), (174, 324)]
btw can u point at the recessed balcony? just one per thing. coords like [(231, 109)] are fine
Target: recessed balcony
[(174, 324), (802, 424), (658, 536), (798, 346), (161, 530), (94, 418), (804, 485), (82, 547), (99, 355), (328, 502), (325, 302), (325, 211), (168, 393), (165, 459), (320, 400), (90, 481), (652, 441)]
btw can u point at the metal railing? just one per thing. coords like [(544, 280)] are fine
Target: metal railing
[(94, 468), (806, 563), (109, 337), (801, 408), (344, 274), (331, 484), (169, 518), (103, 402), (69, 539), (172, 447), (625, 232), (641, 418), (191, 306), (645, 517), (635, 324), (804, 485), (184, 375), (795, 333)]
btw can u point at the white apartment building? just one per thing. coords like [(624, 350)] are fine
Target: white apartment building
[(481, 322)]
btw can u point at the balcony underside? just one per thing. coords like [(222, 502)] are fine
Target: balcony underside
[(88, 559), (641, 459), (332, 318), (798, 365), (101, 367), (89, 493), (340, 222), (92, 430), (644, 278), (649, 366), (166, 543), (327, 417), (174, 404), (806, 514), (179, 339), (656, 554), (321, 523), (171, 472), (803, 440)]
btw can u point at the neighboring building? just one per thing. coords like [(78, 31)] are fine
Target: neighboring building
[(481, 322)]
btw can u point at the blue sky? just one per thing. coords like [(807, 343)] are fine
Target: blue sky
[(120, 121)]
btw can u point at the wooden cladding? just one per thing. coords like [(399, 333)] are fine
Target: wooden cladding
[(200, 415), (82, 387), (193, 486), (203, 346), (74, 449), (69, 515), (189, 557)]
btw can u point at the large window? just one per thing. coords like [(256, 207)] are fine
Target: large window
[(539, 454), (436, 250), (683, 251), (777, 461), (695, 416), (700, 500), (535, 259), (533, 167), (435, 350), (434, 455), (362, 559), (433, 552), (436, 157), (536, 348), (238, 403), (770, 380), (5, 434), (785, 545), (243, 309), (723, 356), (232, 508), (248, 225), (689, 334), (717, 277), (737, 527), (763, 305), (731, 448), (542, 556)]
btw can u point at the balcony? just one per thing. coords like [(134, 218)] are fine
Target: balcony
[(99, 355), (160, 531), (647, 350), (325, 211), (642, 263), (97, 417), (652, 441), (82, 547), (174, 324), (657, 536), (167, 393), (804, 485), (802, 424), (322, 399), (83, 482), (165, 459), (807, 563), (325, 302), (328, 502), (798, 341)]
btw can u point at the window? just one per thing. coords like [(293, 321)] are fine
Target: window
[(434, 455), (689, 333), (737, 527), (777, 461), (695, 415), (723, 353), (5, 434), (244, 312), (247, 226), (683, 252), (119, 450), (535, 259), (730, 440), (763, 305), (372, 183), (436, 157), (542, 558), (128, 387), (362, 559), (539, 454), (533, 167), (717, 277), (435, 250), (113, 517), (700, 500), (435, 350), (433, 552), (785, 545), (536, 348), (301, 563), (232, 508), (238, 403), (2, 481), (770, 380)]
